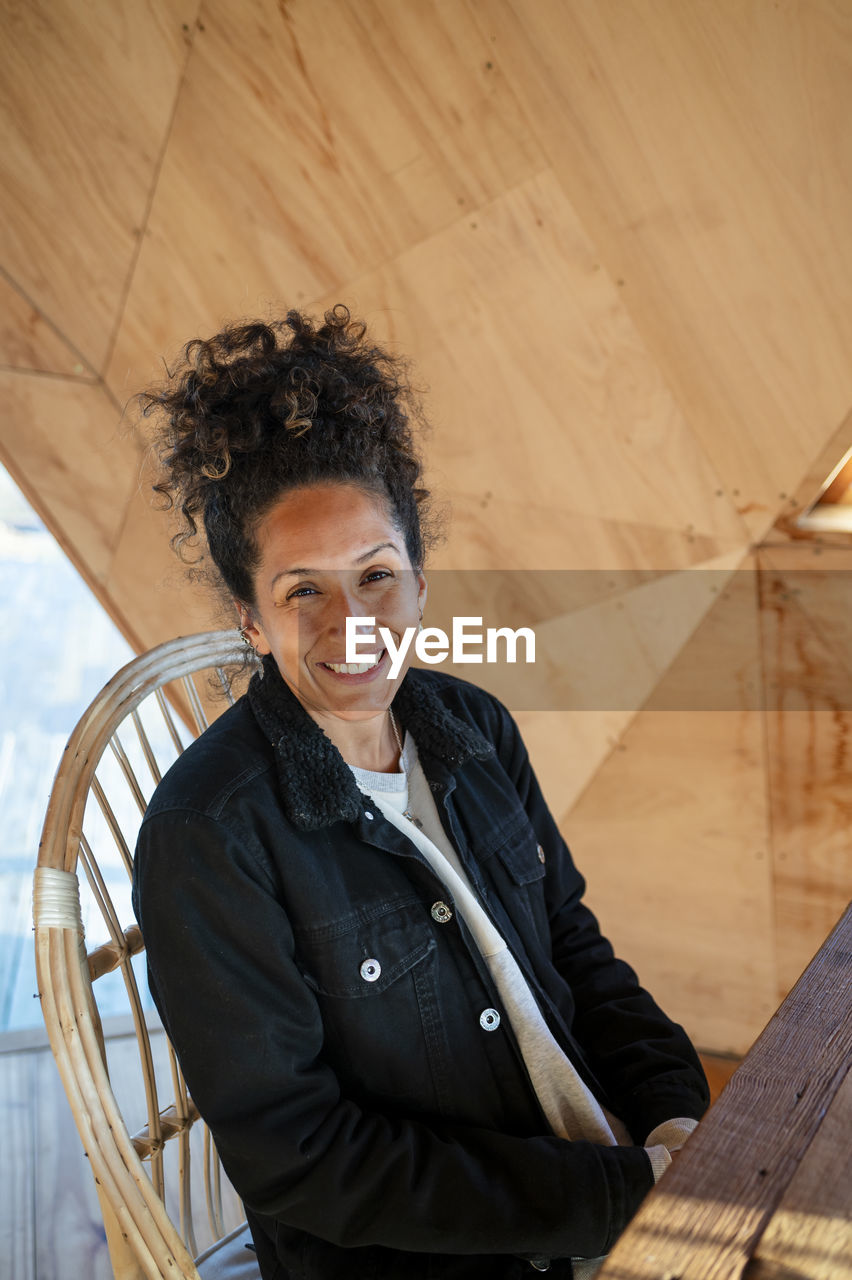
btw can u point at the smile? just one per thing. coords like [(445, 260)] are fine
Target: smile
[(352, 668)]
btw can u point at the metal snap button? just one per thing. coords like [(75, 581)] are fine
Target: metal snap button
[(540, 1263), (370, 970), (367, 814), (489, 1019), (541, 859), (441, 912)]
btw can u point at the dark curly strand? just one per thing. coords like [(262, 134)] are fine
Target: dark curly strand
[(262, 408)]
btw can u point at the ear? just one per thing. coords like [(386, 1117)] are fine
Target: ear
[(421, 590), (251, 629)]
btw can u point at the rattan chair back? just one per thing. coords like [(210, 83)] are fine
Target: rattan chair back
[(148, 1156)]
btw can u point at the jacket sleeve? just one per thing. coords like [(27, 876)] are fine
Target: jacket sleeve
[(645, 1061), (249, 1037)]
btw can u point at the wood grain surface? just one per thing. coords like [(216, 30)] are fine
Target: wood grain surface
[(701, 144), (810, 1232), (775, 1142), (89, 92)]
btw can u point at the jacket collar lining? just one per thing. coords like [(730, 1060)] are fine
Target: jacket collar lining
[(318, 788)]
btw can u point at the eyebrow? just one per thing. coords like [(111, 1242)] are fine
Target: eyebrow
[(293, 573)]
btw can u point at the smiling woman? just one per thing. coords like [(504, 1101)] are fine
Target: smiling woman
[(299, 614), (418, 1055)]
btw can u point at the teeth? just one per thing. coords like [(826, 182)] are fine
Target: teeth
[(351, 668)]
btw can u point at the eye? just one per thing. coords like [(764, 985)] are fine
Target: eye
[(298, 591), (377, 574)]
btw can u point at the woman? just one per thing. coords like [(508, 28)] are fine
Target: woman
[(365, 934)]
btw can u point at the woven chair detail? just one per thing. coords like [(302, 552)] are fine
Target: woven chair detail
[(131, 732)]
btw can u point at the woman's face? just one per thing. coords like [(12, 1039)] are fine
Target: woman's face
[(328, 552)]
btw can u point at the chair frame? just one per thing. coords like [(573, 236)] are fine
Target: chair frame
[(142, 1239)]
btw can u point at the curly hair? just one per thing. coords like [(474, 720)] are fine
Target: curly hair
[(263, 408)]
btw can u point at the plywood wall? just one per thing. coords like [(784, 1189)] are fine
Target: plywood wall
[(614, 236)]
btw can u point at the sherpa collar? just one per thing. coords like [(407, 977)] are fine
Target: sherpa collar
[(317, 785)]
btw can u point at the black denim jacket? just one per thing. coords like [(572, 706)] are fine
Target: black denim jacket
[(375, 1126)]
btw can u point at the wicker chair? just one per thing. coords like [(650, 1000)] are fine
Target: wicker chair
[(100, 791)]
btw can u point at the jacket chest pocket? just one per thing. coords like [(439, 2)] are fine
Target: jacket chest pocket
[(516, 849), (523, 857), (362, 960), (518, 868), (376, 982)]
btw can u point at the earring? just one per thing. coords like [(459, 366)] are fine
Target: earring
[(420, 623), (241, 632)]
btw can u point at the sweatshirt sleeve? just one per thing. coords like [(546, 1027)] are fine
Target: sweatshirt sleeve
[(644, 1059), (666, 1138), (672, 1133), (248, 1034)]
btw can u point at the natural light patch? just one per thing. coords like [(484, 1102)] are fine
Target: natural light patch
[(58, 648), (832, 510)]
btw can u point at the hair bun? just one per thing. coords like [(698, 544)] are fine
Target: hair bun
[(267, 406)]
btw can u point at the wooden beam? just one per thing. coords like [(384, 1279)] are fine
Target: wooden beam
[(706, 1216)]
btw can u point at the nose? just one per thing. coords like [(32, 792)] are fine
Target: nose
[(344, 602)]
